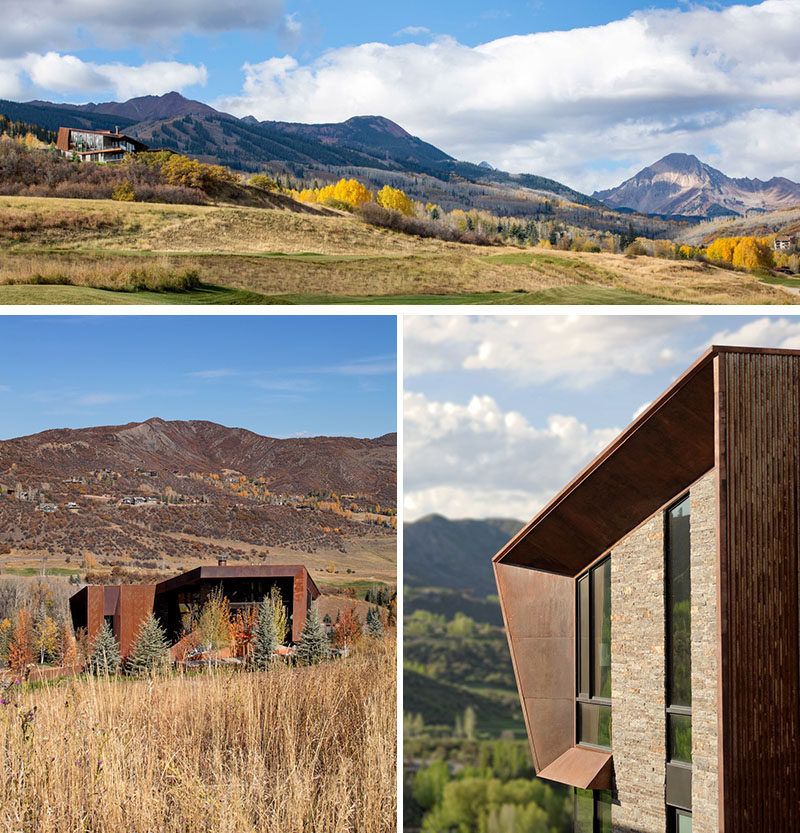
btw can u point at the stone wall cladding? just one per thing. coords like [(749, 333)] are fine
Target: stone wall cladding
[(637, 678), (705, 781), (638, 670)]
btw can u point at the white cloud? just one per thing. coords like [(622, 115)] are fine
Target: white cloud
[(618, 95), (577, 351), (475, 460), (412, 31), (68, 74), (783, 333), (60, 24)]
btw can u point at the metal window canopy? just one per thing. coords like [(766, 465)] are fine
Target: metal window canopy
[(735, 410)]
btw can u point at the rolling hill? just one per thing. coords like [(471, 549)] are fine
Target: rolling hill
[(680, 184), (454, 648), (455, 555), (163, 495), (340, 464)]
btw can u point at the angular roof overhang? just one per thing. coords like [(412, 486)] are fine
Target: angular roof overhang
[(212, 573), (664, 450)]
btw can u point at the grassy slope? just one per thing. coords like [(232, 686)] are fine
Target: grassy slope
[(283, 257)]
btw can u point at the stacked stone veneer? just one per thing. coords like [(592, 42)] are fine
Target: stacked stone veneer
[(703, 532), (638, 670), (638, 686)]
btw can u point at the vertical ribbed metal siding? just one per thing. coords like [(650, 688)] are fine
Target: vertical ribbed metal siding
[(759, 443)]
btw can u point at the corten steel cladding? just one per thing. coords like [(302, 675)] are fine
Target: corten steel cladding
[(735, 410), (129, 605)]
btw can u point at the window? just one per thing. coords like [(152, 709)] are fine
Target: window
[(678, 621), (680, 821), (592, 813), (593, 694)]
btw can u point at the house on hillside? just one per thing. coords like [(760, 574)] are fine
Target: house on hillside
[(653, 610), (784, 243), (126, 606), (96, 145)]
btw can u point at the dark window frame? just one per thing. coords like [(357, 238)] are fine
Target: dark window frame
[(585, 663), (676, 813)]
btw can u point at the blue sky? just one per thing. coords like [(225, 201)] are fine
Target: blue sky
[(585, 93), (279, 376), (501, 412), (325, 26)]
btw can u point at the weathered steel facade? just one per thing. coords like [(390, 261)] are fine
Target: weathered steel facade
[(733, 416), (126, 606)]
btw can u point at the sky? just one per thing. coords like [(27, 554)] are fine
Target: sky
[(280, 376), (586, 93), (500, 413)]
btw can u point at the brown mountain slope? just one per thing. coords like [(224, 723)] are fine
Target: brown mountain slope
[(339, 464)]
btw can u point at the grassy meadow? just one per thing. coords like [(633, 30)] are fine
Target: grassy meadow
[(300, 750), (69, 251)]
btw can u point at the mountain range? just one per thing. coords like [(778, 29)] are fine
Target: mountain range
[(378, 151), (373, 148), (153, 494), (456, 555), (680, 184), (345, 465)]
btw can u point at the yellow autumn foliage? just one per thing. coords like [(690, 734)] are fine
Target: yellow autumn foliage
[(394, 198), (349, 191), (742, 252)]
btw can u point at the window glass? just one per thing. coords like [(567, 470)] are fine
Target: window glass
[(680, 737), (601, 589), (594, 724), (584, 811), (679, 606), (603, 804), (583, 647), (684, 823)]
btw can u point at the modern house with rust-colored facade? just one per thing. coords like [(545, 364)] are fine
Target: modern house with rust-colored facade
[(126, 606), (96, 145), (653, 611)]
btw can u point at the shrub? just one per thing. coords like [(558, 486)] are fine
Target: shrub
[(123, 192), (264, 182)]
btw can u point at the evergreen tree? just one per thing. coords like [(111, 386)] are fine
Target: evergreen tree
[(265, 640), (374, 624), (149, 651), (104, 657), (313, 646)]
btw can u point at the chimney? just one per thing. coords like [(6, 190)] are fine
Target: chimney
[(222, 562), (116, 129)]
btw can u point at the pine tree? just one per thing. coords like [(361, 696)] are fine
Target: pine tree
[(265, 640), (313, 645), (374, 624), (104, 657), (149, 651)]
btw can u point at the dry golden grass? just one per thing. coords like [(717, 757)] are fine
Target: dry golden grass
[(681, 281), (308, 750), (279, 253)]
